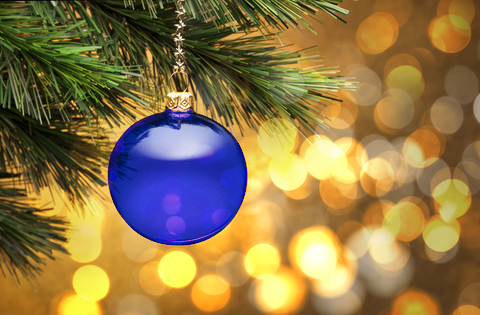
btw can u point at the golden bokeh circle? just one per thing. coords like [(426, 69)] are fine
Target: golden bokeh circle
[(450, 33), (262, 260), (210, 293), (177, 269), (415, 301), (91, 282), (377, 33)]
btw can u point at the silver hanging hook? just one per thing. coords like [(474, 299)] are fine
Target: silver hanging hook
[(180, 101)]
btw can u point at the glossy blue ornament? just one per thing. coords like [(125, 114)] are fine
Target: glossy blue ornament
[(177, 177)]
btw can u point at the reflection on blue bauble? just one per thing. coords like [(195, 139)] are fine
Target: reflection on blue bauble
[(177, 177)]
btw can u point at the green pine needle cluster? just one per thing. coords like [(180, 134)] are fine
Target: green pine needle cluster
[(71, 69)]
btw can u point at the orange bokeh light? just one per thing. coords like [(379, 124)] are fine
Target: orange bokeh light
[(450, 33), (415, 302), (377, 33)]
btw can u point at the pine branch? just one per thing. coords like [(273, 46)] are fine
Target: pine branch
[(61, 153), (26, 237), (47, 68), (244, 79), (279, 14)]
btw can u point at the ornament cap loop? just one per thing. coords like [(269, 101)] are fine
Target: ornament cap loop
[(180, 101)]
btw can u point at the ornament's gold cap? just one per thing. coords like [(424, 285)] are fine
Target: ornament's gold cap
[(180, 101)]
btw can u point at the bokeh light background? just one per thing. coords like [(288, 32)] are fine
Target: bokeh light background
[(380, 216)]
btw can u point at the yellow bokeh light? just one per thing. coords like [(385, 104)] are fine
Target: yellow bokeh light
[(447, 115), (91, 282), (463, 8), (76, 305), (415, 302), (375, 212), (467, 310), (337, 195), (314, 251), (384, 248), (324, 157), (288, 172), (452, 199), (408, 79), (301, 192), (441, 236), (377, 177), (262, 260), (150, 280), (318, 261), (394, 111), (405, 220), (281, 293), (423, 147), (377, 33), (401, 60), (340, 280), (271, 293), (177, 269), (210, 293), (450, 33), (277, 137), (84, 243)]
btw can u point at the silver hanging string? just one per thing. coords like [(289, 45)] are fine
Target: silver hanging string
[(179, 66), (180, 101)]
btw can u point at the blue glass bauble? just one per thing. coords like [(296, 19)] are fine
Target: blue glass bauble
[(177, 177)]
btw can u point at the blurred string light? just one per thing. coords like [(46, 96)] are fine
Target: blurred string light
[(210, 293), (177, 269), (423, 147), (281, 293), (377, 33), (440, 235), (450, 31), (314, 251), (288, 171), (446, 115), (405, 221), (394, 111), (77, 305), (467, 310), (262, 260), (340, 280), (415, 302), (91, 282), (408, 79), (452, 199)]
